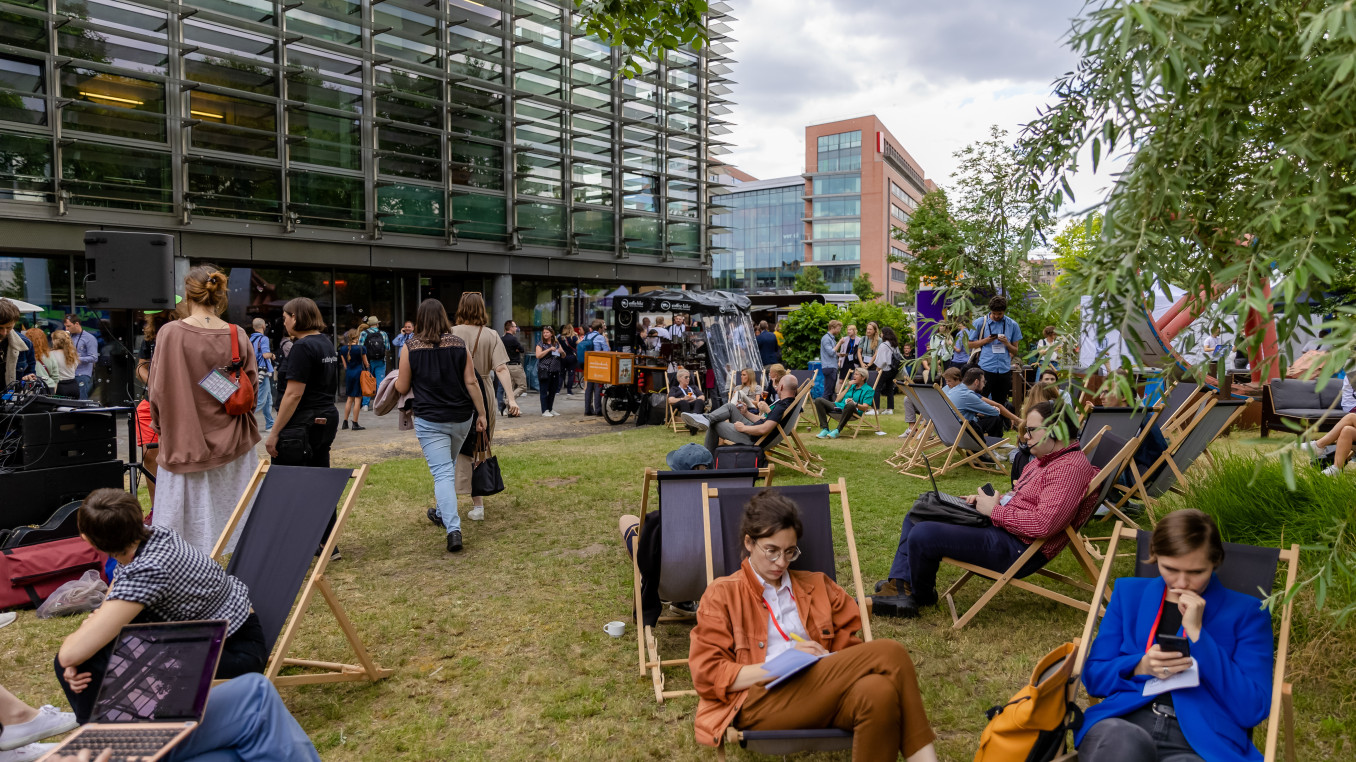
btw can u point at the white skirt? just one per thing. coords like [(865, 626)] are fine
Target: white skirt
[(198, 505)]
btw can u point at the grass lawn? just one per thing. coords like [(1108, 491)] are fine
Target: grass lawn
[(499, 652)]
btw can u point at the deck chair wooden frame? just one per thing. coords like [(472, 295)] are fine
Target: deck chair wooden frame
[(647, 644), (1169, 460), (825, 739), (932, 398), (810, 384), (1008, 576), (316, 581), (922, 436), (1191, 408), (868, 417), (787, 449), (1282, 716), (1127, 466), (672, 418)]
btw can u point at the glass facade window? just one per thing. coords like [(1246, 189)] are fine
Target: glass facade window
[(235, 189), (838, 184), (903, 198), (765, 239), (840, 277), (852, 229), (838, 207), (899, 215), (829, 252), (842, 151), (22, 87)]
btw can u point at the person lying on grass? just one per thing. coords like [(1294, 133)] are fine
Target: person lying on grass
[(159, 578), (747, 619)]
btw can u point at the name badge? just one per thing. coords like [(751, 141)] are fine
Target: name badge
[(1004, 500), (219, 385), (999, 348)]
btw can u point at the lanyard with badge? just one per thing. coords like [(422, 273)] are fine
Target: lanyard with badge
[(998, 347), (777, 624)]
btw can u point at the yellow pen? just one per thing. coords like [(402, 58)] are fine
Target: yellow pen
[(798, 638)]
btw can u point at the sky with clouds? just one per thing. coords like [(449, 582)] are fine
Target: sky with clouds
[(938, 74)]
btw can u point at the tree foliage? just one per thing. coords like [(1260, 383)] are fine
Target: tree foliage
[(645, 29), (1074, 242), (801, 330), (1240, 122), (811, 279), (932, 239), (882, 314), (864, 288)]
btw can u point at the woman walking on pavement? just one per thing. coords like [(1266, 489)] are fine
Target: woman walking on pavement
[(487, 356), (354, 359)]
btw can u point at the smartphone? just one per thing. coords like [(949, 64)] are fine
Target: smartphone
[(987, 489), (1181, 645)]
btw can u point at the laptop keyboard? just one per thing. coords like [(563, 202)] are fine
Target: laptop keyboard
[(956, 502), (126, 744)]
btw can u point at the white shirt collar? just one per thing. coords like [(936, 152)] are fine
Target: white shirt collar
[(782, 584)]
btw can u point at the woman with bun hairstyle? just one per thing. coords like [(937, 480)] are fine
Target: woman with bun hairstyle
[(206, 454)]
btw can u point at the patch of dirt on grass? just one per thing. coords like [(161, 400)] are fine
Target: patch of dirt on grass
[(557, 482), (584, 552)]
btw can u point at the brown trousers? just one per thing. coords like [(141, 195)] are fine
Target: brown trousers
[(870, 689)]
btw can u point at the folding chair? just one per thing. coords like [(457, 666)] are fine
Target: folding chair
[(680, 568), (1168, 472), (786, 448), (672, 418), (957, 435), (723, 512), (1192, 409), (922, 436), (1177, 400), (807, 380), (1107, 452), (868, 416), (277, 545), (1247, 569), (1124, 422)]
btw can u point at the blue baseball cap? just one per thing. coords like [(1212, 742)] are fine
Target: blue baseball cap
[(689, 457)]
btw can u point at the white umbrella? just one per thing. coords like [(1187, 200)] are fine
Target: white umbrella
[(24, 306)]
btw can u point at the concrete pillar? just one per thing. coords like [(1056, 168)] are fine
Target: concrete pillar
[(501, 309)]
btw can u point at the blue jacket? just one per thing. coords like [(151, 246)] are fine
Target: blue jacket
[(1234, 652)]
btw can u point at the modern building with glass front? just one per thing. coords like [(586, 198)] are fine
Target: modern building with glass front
[(758, 233), (365, 153)]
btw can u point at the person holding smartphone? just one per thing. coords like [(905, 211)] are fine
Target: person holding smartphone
[(1214, 643), (686, 398)]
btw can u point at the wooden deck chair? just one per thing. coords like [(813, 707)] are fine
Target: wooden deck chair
[(292, 506), (1124, 422), (787, 449), (679, 496), (1168, 472), (1107, 453), (1113, 484), (672, 418), (724, 511), (1196, 405), (1247, 569), (1177, 399), (807, 380), (868, 417), (961, 442), (922, 435)]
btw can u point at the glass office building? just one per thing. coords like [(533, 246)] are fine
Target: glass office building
[(757, 235), (367, 153)]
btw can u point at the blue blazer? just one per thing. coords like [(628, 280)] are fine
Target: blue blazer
[(1234, 652)]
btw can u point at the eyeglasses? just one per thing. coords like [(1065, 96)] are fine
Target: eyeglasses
[(791, 554)]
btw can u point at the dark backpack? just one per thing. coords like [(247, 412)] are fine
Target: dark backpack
[(375, 344), (585, 345)]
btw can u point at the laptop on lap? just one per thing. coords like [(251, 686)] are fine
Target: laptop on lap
[(951, 500), (154, 691)]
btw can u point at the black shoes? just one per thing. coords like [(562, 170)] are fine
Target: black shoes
[(356, 427), (345, 426), (903, 606), (890, 588), (454, 541), (433, 516)]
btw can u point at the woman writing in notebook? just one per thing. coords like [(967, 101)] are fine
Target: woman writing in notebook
[(751, 617), (1220, 687)]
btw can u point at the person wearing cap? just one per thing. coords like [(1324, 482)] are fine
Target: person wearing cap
[(376, 360)]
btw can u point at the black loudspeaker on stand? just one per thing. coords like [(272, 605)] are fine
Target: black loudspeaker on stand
[(134, 271)]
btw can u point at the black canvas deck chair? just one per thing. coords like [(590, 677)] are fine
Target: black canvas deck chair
[(724, 511), (1107, 453), (922, 437), (1124, 422), (672, 418), (1169, 471), (807, 380), (786, 448), (682, 550), (292, 506), (1247, 569), (867, 416), (1186, 400), (961, 443)]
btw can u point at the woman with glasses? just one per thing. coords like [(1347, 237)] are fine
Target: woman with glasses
[(764, 609), (550, 365)]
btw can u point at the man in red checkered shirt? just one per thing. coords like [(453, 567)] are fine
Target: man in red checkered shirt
[(1051, 495)]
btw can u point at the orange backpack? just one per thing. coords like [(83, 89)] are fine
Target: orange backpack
[(1032, 726)]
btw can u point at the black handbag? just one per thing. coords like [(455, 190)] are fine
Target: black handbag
[(485, 476), (929, 507)]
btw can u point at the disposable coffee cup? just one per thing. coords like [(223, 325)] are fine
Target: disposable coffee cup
[(615, 629)]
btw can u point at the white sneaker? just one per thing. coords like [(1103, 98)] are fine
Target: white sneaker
[(1309, 448), (546, 414), (887, 412), (553, 413), (25, 753), (8, 618), (49, 722), (1332, 470), (367, 408), (697, 421), (477, 513), (906, 433)]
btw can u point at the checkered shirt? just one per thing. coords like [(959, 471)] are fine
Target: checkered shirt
[(1051, 495), (179, 583)]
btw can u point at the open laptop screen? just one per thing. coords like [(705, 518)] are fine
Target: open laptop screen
[(160, 672)]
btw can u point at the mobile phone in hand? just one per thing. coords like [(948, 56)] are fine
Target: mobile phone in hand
[(987, 489), (1175, 643)]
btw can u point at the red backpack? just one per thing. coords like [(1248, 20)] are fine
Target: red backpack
[(30, 573)]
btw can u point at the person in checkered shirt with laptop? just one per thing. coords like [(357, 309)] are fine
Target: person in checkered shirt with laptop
[(159, 578), (1050, 495)]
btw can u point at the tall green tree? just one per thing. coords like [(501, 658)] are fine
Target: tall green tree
[(811, 279), (864, 288), (1074, 242), (932, 239), (645, 29)]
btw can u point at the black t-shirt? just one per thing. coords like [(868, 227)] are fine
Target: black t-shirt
[(314, 362), (438, 379), (514, 348), (777, 412)]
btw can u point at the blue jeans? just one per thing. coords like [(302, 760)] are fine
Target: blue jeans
[(86, 383), (246, 721), (264, 400), (923, 544), (441, 442), (378, 372)]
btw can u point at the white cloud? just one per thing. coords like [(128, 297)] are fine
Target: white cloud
[(937, 74)]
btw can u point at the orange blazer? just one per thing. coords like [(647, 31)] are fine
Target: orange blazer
[(731, 632)]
